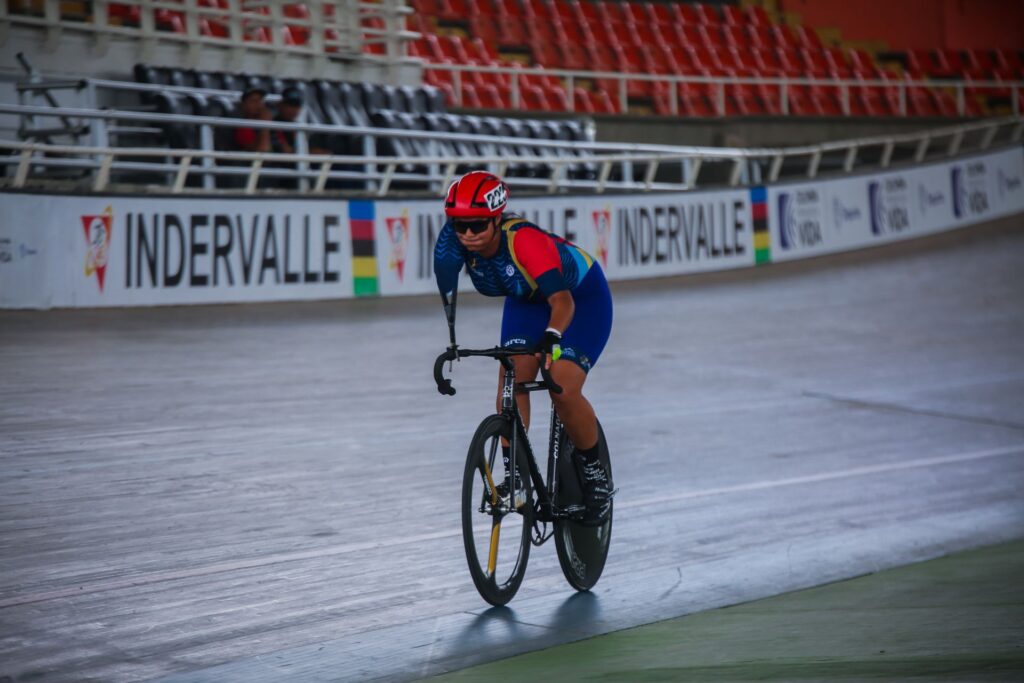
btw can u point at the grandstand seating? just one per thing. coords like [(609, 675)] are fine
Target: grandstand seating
[(365, 104), (214, 26), (681, 39), (649, 38)]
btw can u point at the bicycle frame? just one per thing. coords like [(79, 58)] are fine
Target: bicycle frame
[(546, 511)]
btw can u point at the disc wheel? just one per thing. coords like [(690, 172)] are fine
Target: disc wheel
[(582, 550), (495, 531)]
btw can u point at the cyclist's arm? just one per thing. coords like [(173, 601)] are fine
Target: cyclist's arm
[(538, 254), (449, 258), (563, 308)]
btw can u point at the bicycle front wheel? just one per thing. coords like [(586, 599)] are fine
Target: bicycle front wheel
[(496, 528), (582, 550)]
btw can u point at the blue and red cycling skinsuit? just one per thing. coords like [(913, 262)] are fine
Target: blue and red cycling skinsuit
[(530, 265)]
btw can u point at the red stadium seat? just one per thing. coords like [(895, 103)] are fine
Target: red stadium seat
[(604, 103), (733, 15), (610, 13), (634, 13), (757, 15), (838, 67), (711, 35), (694, 100), (682, 60), (707, 14), (951, 62), (557, 98), (533, 98), (921, 102), (864, 65), (771, 98), (826, 100), (790, 62), (807, 37), (783, 36), (979, 64), (658, 13), (767, 62), (1010, 63), (742, 99), (743, 60), (813, 63), (685, 13), (539, 11), (760, 36), (582, 101), (735, 36), (470, 98)]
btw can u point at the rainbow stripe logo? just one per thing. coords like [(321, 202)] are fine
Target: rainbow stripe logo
[(361, 218), (759, 214)]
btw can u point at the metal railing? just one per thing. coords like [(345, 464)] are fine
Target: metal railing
[(338, 28), (556, 164), (901, 89)]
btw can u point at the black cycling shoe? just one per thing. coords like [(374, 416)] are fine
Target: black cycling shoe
[(597, 492), (502, 490)]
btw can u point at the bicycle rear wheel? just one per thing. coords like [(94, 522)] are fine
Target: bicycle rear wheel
[(495, 532), (582, 550)]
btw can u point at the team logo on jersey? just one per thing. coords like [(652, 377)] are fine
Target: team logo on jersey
[(603, 228), (510, 270), (398, 236), (97, 239)]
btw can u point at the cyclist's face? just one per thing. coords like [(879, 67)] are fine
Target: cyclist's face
[(472, 237)]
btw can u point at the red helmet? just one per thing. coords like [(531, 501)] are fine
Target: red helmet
[(478, 194)]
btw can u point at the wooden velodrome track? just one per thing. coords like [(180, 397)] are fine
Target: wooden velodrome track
[(265, 493)]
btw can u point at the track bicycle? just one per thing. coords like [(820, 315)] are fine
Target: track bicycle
[(501, 523)]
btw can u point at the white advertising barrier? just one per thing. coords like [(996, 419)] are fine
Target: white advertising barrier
[(117, 251), (847, 213), (59, 251), (632, 236)]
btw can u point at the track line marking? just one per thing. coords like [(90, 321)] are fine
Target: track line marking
[(827, 476), (313, 553)]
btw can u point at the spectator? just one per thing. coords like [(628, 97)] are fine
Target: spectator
[(252, 106), (290, 111)]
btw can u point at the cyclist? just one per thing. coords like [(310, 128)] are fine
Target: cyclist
[(557, 303)]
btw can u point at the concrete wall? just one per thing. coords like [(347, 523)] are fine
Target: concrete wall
[(956, 24)]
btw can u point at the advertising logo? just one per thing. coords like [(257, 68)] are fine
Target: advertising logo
[(842, 214), (1007, 184), (603, 228), (888, 204), (97, 238), (6, 255), (959, 192), (398, 237), (970, 194), (928, 199), (787, 221), (799, 219)]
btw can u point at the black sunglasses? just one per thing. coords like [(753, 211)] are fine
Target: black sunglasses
[(475, 227)]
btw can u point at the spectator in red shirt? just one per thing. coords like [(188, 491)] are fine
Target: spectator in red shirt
[(252, 106)]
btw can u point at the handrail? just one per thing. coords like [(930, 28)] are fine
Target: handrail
[(115, 114), (380, 172), (350, 33), (695, 150), (570, 76)]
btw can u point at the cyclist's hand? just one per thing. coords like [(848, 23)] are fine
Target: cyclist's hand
[(550, 348)]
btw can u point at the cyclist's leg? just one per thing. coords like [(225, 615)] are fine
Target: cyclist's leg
[(522, 326), (527, 368), (572, 406), (582, 344)]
